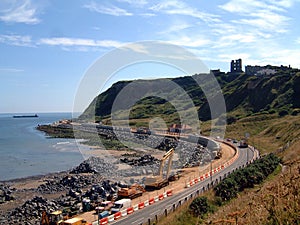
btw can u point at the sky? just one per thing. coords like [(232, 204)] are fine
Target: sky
[(46, 46)]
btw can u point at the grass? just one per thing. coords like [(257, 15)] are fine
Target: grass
[(276, 200)]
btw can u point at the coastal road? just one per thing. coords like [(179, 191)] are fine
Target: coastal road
[(142, 216)]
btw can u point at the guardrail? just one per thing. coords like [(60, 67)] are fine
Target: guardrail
[(169, 193), (134, 208), (215, 169), (196, 193)]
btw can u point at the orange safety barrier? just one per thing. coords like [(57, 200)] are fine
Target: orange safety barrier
[(117, 215), (130, 210), (196, 180), (201, 178), (169, 193), (206, 175), (222, 167), (141, 205), (151, 201), (103, 221), (161, 197)]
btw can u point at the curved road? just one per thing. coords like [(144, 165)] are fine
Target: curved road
[(170, 203)]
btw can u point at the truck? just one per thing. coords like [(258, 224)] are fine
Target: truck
[(159, 181), (120, 205), (243, 144), (131, 192), (75, 221), (104, 206)]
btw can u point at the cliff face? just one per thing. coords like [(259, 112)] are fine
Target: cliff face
[(242, 93)]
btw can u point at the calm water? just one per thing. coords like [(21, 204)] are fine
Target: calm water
[(24, 151)]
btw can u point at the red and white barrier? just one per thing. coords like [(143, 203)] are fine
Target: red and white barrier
[(169, 193), (130, 210), (161, 197), (165, 194), (151, 201), (124, 212), (141, 205), (111, 218), (136, 207), (117, 215), (103, 221)]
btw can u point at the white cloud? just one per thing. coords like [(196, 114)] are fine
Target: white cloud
[(192, 42), (136, 3), (19, 12), (174, 7), (16, 40), (63, 41), (109, 10), (11, 70), (147, 14), (177, 27), (264, 15), (267, 21), (229, 40), (243, 6)]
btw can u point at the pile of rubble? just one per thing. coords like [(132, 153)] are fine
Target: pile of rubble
[(57, 184), (30, 212), (140, 161), (96, 165), (5, 193)]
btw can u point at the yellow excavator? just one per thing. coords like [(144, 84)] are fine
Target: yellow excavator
[(55, 218), (159, 181), (131, 192)]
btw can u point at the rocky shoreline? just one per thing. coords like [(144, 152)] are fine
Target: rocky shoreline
[(24, 200)]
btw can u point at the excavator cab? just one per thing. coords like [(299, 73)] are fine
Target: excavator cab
[(56, 218)]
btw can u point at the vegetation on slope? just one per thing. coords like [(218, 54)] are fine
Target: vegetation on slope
[(244, 96), (276, 200)]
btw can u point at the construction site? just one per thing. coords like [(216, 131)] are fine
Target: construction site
[(103, 186)]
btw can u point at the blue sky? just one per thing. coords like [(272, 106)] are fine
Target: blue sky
[(47, 46)]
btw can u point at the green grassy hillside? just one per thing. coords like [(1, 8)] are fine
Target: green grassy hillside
[(244, 96)]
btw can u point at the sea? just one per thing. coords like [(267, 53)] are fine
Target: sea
[(25, 151)]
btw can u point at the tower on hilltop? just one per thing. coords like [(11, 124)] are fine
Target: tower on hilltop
[(236, 66)]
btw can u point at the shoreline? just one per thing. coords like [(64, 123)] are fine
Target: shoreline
[(52, 187)]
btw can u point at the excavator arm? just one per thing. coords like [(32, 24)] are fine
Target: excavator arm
[(45, 219), (168, 155)]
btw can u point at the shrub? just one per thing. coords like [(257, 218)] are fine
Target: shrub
[(200, 206), (246, 177)]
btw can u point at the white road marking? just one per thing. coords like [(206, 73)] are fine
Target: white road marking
[(138, 221)]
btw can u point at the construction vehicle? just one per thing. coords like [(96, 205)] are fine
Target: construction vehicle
[(75, 221), (55, 218), (243, 144), (131, 192), (217, 154), (120, 205), (159, 181), (104, 206), (175, 176)]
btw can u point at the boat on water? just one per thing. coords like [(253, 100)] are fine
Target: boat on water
[(26, 116)]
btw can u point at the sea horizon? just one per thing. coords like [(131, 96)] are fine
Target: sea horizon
[(26, 152)]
